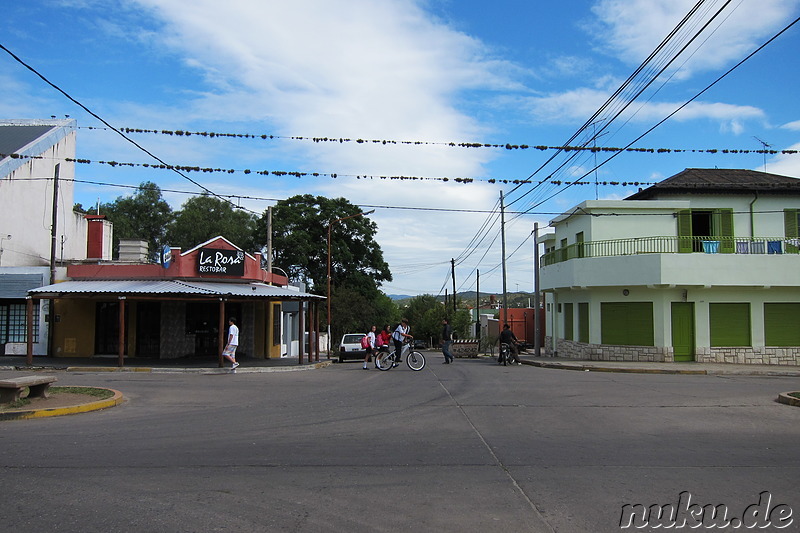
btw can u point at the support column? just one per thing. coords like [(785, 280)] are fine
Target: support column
[(221, 337), (29, 325), (121, 361), (301, 322)]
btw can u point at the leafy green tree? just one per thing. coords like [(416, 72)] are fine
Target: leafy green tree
[(204, 217), (425, 314), (354, 312), (144, 215), (300, 236)]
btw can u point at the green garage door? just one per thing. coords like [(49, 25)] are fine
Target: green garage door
[(782, 324), (627, 323), (729, 324)]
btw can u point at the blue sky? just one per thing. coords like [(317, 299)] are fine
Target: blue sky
[(434, 71)]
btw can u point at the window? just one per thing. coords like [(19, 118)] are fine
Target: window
[(729, 324), (782, 324), (583, 322), (627, 323), (696, 225), (569, 325), (14, 323), (579, 243)]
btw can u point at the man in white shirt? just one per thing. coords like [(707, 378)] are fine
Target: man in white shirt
[(233, 341)]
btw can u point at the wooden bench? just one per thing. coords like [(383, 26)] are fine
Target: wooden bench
[(10, 389)]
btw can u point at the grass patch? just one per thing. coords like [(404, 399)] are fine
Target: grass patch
[(22, 402), (101, 394), (795, 395)]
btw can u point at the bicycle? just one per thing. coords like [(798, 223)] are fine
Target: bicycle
[(415, 360)]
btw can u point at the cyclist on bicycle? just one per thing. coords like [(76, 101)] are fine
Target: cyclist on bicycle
[(507, 336), (399, 336)]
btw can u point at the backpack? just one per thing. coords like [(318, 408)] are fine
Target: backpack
[(365, 341)]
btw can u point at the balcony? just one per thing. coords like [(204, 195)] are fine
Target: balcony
[(664, 262), (673, 245)]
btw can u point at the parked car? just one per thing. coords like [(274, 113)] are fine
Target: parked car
[(420, 344), (350, 347)]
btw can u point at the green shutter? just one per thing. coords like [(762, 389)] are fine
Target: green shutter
[(583, 322), (723, 228), (627, 323), (782, 324), (729, 324), (685, 231), (790, 227), (568, 322)]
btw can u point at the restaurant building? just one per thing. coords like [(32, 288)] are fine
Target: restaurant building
[(179, 307)]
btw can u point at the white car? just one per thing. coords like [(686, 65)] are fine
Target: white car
[(350, 347)]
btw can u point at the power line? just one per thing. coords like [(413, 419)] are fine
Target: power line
[(112, 128), (696, 96)]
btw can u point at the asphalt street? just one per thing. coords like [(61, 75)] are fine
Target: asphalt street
[(471, 446)]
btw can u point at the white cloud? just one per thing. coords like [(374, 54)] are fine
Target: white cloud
[(794, 126), (578, 104), (631, 29), (361, 68)]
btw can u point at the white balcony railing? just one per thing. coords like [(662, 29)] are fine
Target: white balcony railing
[(673, 245)]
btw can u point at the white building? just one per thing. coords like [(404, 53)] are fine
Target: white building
[(703, 266), (32, 154)]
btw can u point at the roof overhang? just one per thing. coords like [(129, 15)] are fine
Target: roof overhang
[(173, 289)]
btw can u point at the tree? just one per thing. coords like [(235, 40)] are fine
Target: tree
[(204, 217), (299, 239), (354, 312), (425, 314), (145, 215)]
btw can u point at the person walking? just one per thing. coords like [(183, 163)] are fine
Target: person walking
[(229, 352), (399, 336), (447, 341), (370, 350)]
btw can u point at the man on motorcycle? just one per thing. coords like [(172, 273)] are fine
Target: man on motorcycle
[(507, 336)]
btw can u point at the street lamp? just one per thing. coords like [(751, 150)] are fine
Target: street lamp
[(330, 224)]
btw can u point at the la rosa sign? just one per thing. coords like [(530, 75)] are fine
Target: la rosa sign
[(217, 261)]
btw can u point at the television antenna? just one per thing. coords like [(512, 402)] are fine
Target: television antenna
[(767, 146)]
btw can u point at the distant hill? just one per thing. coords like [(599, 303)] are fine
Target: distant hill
[(515, 299)]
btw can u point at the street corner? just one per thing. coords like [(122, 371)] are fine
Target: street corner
[(53, 406), (789, 398)]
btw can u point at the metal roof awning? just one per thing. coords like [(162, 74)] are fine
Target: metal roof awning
[(167, 288)]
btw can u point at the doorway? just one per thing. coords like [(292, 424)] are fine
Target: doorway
[(683, 331)]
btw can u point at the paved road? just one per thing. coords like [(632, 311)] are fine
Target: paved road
[(463, 447)]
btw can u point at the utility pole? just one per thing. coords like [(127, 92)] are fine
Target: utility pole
[(503, 246), (53, 227), (536, 333), (453, 271), (269, 241), (478, 306), (51, 304)]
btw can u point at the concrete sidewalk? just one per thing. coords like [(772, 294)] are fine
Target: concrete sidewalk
[(184, 364), (660, 368)]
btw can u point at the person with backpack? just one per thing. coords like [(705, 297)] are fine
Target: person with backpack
[(368, 343)]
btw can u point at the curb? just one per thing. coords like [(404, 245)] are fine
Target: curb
[(621, 370), (210, 370), (784, 398), (117, 399)]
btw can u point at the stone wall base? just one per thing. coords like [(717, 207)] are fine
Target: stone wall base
[(608, 352), (785, 356), (747, 355)]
